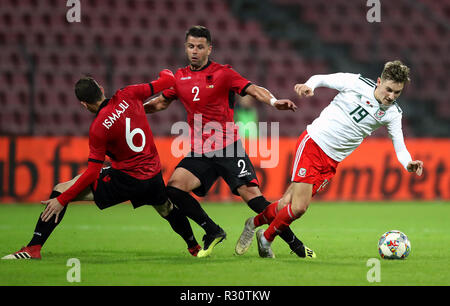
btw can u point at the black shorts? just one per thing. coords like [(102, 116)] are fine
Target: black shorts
[(235, 168), (114, 187)]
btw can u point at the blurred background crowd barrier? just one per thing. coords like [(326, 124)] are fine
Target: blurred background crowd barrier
[(31, 166)]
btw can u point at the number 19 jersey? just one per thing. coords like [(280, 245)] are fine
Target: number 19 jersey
[(353, 115)]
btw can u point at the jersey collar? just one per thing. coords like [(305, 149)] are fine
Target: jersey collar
[(203, 68), (104, 103)]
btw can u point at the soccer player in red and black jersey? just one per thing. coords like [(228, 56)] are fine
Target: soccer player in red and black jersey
[(207, 91), (121, 131)]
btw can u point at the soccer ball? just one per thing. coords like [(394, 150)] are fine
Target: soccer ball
[(394, 245)]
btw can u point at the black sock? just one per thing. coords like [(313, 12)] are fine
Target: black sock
[(43, 229), (180, 224), (191, 208), (258, 204)]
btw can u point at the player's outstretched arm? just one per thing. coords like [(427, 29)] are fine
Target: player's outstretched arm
[(157, 104), (263, 95), (415, 166)]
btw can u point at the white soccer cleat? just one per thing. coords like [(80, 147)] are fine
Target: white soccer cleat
[(264, 246), (246, 238)]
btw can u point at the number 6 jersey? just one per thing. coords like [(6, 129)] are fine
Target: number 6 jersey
[(121, 131), (353, 115)]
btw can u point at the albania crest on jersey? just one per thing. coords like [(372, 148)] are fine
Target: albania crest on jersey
[(380, 113), (209, 81)]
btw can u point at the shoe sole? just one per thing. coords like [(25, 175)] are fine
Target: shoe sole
[(206, 253), (262, 254)]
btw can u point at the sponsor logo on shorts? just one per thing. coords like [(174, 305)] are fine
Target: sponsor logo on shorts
[(246, 173), (302, 172)]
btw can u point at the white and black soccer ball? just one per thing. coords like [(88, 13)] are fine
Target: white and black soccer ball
[(394, 245)]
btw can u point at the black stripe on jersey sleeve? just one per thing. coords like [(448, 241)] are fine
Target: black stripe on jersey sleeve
[(165, 97), (95, 160), (152, 89), (243, 93), (367, 81)]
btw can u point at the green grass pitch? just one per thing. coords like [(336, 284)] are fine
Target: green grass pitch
[(122, 246)]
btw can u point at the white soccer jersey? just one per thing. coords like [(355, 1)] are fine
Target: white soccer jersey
[(353, 115)]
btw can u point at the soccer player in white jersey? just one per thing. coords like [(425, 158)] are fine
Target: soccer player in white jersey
[(360, 107)]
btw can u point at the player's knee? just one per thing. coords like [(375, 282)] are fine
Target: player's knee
[(179, 184), (164, 209), (299, 208), (249, 192), (183, 182)]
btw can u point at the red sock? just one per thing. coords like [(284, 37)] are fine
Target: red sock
[(282, 221), (267, 215)]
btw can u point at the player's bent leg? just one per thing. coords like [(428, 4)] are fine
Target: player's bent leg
[(164, 209), (286, 198), (301, 198), (265, 216), (180, 184), (180, 225), (184, 180), (43, 229)]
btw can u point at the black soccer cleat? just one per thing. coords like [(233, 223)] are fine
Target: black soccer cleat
[(210, 241)]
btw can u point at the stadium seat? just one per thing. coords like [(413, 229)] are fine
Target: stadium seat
[(65, 51)]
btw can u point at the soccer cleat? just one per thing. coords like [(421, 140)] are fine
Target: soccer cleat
[(29, 252), (264, 246), (210, 242), (194, 250), (304, 252), (246, 238)]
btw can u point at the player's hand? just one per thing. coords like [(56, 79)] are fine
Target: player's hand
[(303, 90), (285, 104), (167, 78), (415, 166), (53, 208)]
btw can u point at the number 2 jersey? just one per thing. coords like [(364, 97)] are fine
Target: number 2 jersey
[(209, 92), (120, 131), (353, 115)]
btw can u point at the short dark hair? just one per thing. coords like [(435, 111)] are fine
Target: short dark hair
[(199, 31), (395, 71), (87, 90)]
